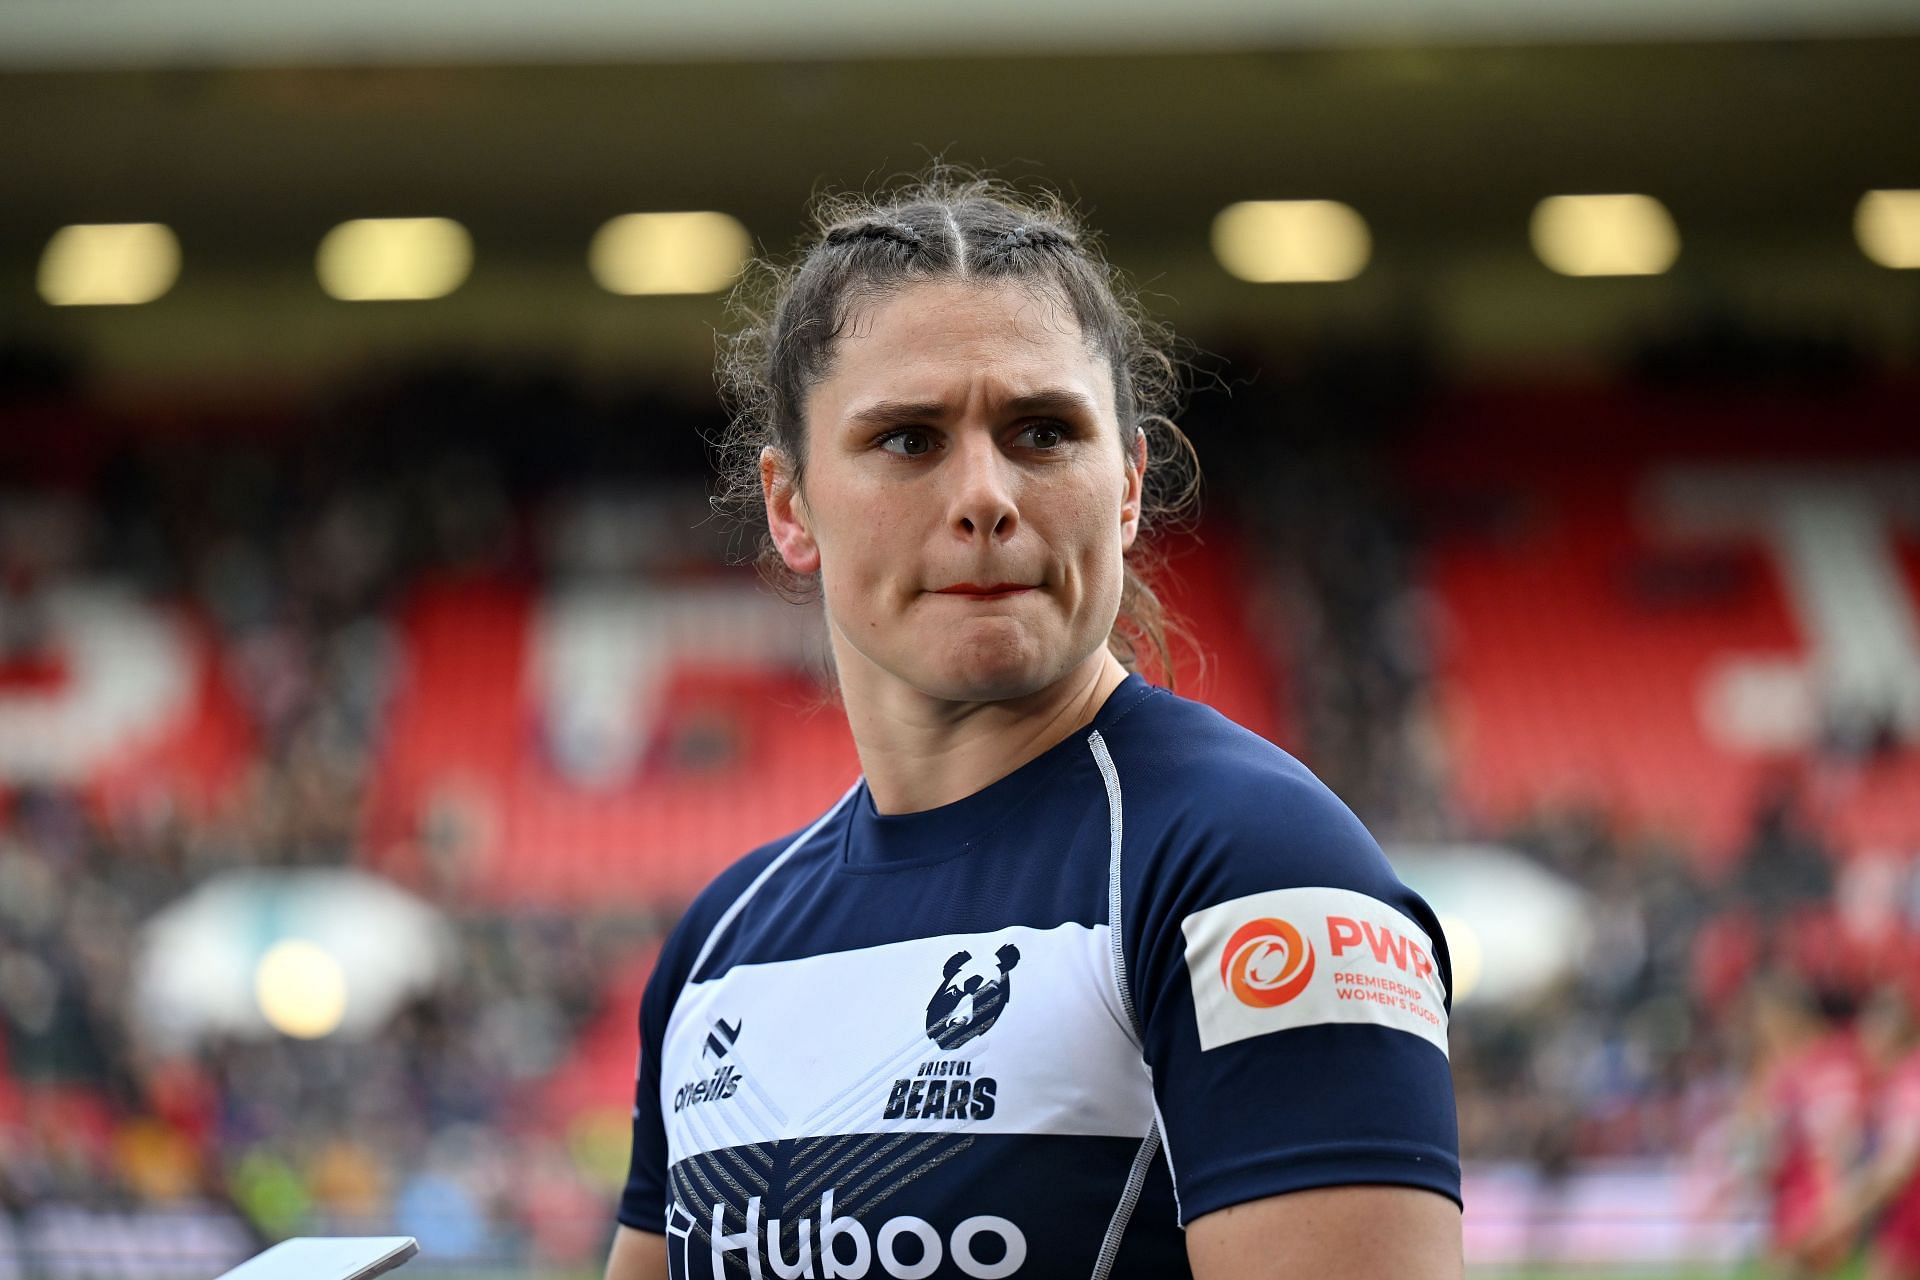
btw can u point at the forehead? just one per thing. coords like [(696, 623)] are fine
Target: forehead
[(950, 341)]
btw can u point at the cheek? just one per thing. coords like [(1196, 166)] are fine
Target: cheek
[(866, 551), (1099, 551), (1090, 515)]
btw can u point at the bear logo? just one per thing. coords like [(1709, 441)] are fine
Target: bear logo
[(970, 998)]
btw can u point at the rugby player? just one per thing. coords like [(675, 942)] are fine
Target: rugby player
[(1806, 1106), (1079, 978), (1883, 1197)]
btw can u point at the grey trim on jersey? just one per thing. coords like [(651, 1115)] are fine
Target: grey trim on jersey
[(1155, 1136), (1129, 1198), (1111, 776), (720, 926), (1160, 1131)]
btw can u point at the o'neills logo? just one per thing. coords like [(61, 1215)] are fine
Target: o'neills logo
[(1266, 963), (717, 1087)]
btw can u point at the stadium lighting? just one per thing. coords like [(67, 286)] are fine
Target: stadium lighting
[(301, 989), (1887, 225), (109, 264), (656, 253), (394, 259), (1291, 241), (1612, 235)]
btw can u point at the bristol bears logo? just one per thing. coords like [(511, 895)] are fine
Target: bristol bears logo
[(971, 997), (1266, 963)]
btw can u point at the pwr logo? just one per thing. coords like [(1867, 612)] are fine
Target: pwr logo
[(1387, 945), (1266, 963), (1287, 959)]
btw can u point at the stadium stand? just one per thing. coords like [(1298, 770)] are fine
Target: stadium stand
[(508, 668), (1619, 637)]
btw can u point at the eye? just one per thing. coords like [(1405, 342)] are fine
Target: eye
[(1043, 435), (908, 442)]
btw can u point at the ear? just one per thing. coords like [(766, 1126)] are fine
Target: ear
[(1133, 496), (787, 513)]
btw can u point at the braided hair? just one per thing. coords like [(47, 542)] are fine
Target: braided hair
[(897, 233)]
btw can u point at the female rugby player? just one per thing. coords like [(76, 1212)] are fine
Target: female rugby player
[(1080, 978)]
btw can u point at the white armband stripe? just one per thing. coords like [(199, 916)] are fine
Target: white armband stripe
[(1304, 957)]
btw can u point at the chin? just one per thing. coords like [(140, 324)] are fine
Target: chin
[(992, 668)]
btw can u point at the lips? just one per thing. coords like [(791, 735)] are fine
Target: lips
[(980, 591)]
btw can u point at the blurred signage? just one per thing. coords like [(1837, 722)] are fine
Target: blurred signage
[(1650, 1215), (100, 32), (57, 1238)]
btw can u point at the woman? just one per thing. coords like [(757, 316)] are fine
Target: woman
[(1077, 963), (1805, 1108), (1882, 1192)]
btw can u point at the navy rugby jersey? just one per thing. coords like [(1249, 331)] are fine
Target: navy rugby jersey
[(1158, 970)]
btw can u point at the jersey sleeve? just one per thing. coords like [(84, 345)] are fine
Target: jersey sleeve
[(1291, 995), (643, 1204)]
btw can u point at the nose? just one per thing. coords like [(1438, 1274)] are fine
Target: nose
[(982, 499)]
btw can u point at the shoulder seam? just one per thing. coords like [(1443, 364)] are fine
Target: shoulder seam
[(1139, 701), (733, 910), (1129, 1200), (1117, 955)]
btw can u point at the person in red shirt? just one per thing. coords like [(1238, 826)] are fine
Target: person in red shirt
[(1808, 1104), (1885, 1192)]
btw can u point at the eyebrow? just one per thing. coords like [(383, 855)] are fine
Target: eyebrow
[(901, 413)]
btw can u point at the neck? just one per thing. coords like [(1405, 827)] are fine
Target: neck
[(920, 752)]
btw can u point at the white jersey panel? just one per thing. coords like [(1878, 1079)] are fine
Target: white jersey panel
[(1013, 1032)]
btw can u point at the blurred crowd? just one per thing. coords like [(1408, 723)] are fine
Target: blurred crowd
[(297, 540), (436, 1127), (294, 539), (1646, 1050)]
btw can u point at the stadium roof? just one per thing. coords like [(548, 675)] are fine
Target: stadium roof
[(125, 32), (1761, 150)]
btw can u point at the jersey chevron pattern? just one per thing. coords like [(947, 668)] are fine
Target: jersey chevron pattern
[(1156, 971)]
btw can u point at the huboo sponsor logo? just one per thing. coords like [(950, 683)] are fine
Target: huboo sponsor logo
[(904, 1248)]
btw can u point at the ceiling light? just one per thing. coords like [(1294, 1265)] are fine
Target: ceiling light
[(1615, 235), (1291, 241), (652, 253), (115, 263), (394, 259), (1887, 224)]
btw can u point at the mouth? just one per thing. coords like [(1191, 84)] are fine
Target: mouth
[(979, 591)]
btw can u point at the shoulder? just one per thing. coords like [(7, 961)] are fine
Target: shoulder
[(1165, 743), (1222, 828), (1204, 797), (688, 938)]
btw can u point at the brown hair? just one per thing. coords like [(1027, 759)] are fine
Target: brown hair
[(944, 226)]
